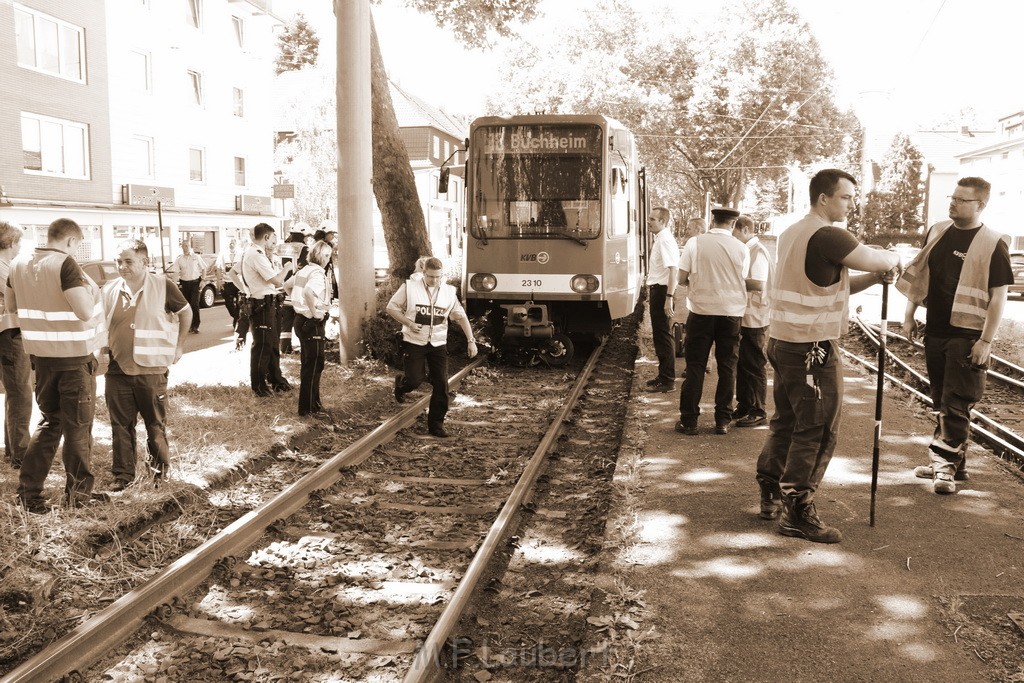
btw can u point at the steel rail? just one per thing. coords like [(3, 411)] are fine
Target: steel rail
[(426, 666), (992, 357), (993, 433), (94, 638)]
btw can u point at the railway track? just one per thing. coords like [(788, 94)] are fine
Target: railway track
[(997, 420), (366, 565)]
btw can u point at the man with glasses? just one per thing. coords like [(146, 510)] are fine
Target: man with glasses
[(963, 273)]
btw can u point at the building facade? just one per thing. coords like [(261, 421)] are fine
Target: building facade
[(133, 115), (1001, 162)]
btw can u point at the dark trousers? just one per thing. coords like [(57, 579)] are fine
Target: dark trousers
[(661, 331), (703, 331), (264, 357), (427, 362), (285, 322), (16, 375), (129, 396), (244, 314), (190, 290), (956, 385), (805, 426), (67, 400), (231, 301), (311, 335), (752, 372)]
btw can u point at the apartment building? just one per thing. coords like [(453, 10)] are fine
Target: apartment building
[(134, 114), (1001, 162)]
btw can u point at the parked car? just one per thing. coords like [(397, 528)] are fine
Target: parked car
[(101, 272), (1017, 263)]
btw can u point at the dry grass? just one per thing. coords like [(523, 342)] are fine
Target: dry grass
[(51, 574), (1007, 345)]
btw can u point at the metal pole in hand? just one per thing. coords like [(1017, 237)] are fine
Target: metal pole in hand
[(878, 398)]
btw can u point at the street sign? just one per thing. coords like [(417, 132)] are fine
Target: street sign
[(284, 191)]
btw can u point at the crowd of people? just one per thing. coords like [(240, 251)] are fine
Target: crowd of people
[(790, 313), (56, 321)]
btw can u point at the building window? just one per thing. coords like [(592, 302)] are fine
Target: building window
[(240, 171), (239, 26), (195, 165), (238, 101), (54, 146), (49, 44), (139, 68), (447, 149), (142, 156), (194, 15), (437, 147), (196, 83)]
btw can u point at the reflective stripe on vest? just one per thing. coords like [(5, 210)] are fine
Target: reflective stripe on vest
[(757, 314), (971, 298), (155, 339), (432, 316), (801, 311), (49, 328), (717, 286)]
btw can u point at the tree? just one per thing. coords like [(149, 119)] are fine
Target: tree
[(298, 46), (893, 212), (477, 23), (715, 112)]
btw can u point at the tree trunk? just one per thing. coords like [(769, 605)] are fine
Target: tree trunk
[(405, 230)]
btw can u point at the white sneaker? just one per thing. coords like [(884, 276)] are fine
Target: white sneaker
[(926, 472), (942, 482)]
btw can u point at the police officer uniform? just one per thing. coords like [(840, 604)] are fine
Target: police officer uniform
[(264, 301)]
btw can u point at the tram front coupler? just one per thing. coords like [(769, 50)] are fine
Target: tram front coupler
[(527, 321)]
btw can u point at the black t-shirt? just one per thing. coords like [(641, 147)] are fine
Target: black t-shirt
[(945, 262), (826, 250)]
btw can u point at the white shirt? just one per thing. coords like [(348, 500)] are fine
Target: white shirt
[(664, 254), (256, 272), (190, 266), (759, 266)]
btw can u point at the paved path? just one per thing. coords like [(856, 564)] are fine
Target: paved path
[(734, 601)]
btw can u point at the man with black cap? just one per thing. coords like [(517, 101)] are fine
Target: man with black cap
[(808, 312), (715, 265)]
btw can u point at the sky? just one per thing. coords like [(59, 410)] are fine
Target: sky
[(900, 64)]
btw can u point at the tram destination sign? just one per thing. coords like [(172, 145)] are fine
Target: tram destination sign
[(547, 140)]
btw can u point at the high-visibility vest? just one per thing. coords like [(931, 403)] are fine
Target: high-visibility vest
[(799, 310), (757, 314), (717, 286), (971, 298), (310, 272), (430, 314), (156, 330), (49, 327), (8, 317)]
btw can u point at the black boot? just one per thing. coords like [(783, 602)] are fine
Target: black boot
[(771, 499), (799, 519)]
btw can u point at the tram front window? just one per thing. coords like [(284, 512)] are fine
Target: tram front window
[(538, 194)]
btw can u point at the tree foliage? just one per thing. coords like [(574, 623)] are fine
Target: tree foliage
[(716, 111), (298, 46), (478, 22), (893, 211)]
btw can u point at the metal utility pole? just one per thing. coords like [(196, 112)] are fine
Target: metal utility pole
[(355, 189)]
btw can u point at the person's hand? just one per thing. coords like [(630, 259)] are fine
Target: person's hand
[(890, 276), (669, 308), (980, 352), (910, 327), (471, 349)]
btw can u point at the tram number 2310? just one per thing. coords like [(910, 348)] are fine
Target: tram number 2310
[(531, 283)]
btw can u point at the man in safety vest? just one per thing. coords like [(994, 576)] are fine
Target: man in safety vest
[(752, 367), (808, 312), (15, 372), (63, 329), (715, 267), (961, 275), (148, 320), (423, 307)]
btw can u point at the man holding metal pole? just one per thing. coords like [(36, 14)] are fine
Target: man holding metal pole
[(808, 313), (962, 273)]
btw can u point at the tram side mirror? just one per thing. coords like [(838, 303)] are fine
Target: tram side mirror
[(442, 181)]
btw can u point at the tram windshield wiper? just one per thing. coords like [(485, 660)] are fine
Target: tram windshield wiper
[(570, 236)]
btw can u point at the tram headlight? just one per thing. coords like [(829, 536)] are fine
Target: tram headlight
[(483, 282), (584, 284)]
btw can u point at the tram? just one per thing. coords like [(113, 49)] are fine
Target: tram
[(556, 218)]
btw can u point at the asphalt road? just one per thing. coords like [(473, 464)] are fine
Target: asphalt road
[(214, 329)]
